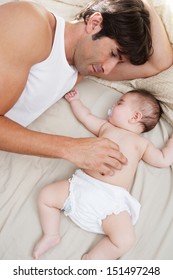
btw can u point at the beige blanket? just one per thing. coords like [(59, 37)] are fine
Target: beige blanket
[(21, 177)]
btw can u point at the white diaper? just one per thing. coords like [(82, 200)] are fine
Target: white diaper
[(91, 200)]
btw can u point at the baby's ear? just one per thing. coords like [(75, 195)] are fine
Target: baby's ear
[(137, 116)]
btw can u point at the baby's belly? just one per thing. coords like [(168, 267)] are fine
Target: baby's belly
[(122, 178)]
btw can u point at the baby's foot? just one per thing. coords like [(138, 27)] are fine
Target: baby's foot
[(44, 244)]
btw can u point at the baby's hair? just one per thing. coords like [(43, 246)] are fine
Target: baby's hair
[(149, 107)]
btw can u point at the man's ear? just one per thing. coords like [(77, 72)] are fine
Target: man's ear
[(137, 116), (94, 23)]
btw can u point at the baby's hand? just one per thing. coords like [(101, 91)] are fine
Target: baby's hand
[(72, 95)]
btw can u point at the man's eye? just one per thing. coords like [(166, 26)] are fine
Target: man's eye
[(116, 55), (113, 54)]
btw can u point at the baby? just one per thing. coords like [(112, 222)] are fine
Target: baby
[(97, 202)]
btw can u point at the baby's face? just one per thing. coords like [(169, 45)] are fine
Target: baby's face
[(123, 110)]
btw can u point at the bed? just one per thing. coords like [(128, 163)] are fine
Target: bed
[(22, 177)]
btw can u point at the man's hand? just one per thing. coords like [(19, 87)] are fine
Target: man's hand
[(99, 154)]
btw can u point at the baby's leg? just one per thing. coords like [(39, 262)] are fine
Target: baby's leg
[(120, 237), (51, 200)]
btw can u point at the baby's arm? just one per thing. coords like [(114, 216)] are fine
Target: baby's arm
[(159, 158), (83, 114)]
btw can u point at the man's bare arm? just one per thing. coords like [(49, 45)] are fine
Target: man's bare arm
[(97, 154)]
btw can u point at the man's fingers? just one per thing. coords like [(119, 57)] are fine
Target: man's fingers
[(99, 154), (116, 159), (115, 153)]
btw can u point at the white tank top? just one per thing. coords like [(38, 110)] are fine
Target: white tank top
[(47, 82)]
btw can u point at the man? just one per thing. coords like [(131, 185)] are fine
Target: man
[(36, 71)]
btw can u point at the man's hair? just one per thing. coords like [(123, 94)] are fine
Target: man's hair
[(125, 21), (149, 107)]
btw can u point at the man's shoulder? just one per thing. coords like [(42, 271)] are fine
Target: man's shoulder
[(23, 14), (25, 26)]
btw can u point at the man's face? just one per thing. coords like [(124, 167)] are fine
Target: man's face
[(96, 56)]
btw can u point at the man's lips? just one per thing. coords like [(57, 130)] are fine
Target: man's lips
[(97, 68)]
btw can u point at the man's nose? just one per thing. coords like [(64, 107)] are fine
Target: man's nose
[(109, 65)]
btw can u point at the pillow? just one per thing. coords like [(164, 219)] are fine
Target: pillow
[(74, 2), (164, 8)]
